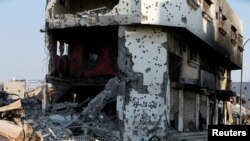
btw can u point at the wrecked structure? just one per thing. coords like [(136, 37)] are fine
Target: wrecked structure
[(155, 66)]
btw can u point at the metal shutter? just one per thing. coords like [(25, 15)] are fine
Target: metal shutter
[(189, 111), (203, 111), (174, 107)]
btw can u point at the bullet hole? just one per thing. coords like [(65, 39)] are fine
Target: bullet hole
[(147, 70), (184, 20)]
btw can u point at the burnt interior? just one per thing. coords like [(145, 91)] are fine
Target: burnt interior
[(84, 58), (84, 52), (83, 94)]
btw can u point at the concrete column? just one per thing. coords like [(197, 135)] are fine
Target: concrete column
[(180, 116), (197, 110), (216, 113), (208, 109)]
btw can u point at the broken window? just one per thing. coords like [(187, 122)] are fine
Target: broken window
[(193, 54), (233, 35), (193, 57), (62, 49), (240, 40), (222, 20), (205, 11), (195, 4), (206, 5), (178, 45)]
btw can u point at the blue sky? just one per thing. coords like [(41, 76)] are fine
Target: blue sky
[(241, 7), (23, 54), (22, 45)]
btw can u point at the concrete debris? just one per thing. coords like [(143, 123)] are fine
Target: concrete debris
[(37, 136), (24, 119), (4, 98), (108, 94), (13, 106), (11, 131), (13, 125)]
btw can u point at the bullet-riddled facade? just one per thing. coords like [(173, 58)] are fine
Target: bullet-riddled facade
[(165, 64)]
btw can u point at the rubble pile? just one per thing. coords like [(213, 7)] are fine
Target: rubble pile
[(13, 125), (66, 121)]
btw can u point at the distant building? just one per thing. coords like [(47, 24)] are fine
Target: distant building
[(17, 87), (1, 86), (235, 86)]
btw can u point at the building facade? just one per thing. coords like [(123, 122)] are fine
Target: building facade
[(236, 86), (171, 60), (17, 87)]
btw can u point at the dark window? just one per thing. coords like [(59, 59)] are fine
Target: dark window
[(207, 4), (222, 18), (193, 55), (177, 46), (233, 35), (240, 40)]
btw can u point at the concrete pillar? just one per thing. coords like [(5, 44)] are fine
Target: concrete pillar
[(197, 110), (180, 116)]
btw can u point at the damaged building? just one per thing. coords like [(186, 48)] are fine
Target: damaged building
[(153, 67)]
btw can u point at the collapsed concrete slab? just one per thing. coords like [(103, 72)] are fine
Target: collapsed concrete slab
[(13, 106)]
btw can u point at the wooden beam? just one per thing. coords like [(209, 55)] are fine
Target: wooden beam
[(13, 106)]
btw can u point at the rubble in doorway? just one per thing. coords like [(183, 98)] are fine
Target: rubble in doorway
[(69, 121)]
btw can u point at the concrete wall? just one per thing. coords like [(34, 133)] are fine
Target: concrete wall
[(15, 87), (146, 100), (204, 22)]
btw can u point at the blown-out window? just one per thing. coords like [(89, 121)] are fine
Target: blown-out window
[(233, 35)]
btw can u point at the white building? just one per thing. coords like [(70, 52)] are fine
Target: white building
[(235, 86), (17, 87)]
